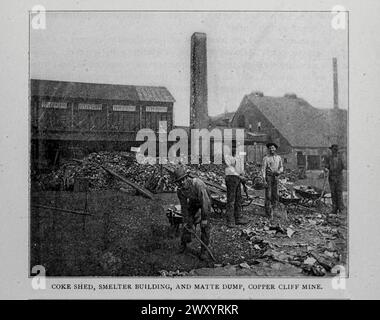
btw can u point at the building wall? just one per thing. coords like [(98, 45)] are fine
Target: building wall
[(255, 152), (249, 117), (308, 158), (70, 128), (98, 117)]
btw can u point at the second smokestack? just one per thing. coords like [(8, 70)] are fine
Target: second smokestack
[(335, 79), (198, 83)]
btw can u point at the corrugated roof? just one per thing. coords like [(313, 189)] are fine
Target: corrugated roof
[(299, 122), (220, 119), (65, 89), (157, 94)]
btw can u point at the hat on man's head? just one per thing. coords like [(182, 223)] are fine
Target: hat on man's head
[(272, 144), (334, 146), (179, 174)]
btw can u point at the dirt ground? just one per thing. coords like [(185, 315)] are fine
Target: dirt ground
[(127, 235)]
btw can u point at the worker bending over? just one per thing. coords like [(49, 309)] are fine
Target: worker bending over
[(195, 207)]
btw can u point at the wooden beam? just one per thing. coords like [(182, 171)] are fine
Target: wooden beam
[(61, 209), (140, 189)]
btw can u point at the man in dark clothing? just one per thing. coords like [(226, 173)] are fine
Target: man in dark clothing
[(334, 166), (195, 206)]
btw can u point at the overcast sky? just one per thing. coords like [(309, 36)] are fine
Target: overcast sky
[(272, 52)]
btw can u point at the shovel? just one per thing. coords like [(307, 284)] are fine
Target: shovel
[(201, 242)]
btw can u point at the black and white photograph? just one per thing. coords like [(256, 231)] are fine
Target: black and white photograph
[(189, 143), (189, 157)]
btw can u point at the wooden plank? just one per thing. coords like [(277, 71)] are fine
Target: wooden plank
[(61, 209), (142, 190)]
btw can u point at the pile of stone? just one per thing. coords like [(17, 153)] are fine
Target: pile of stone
[(90, 167), (152, 177)]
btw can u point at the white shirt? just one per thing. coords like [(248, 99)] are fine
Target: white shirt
[(272, 162), (233, 168)]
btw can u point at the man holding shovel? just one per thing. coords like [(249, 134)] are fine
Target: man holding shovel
[(272, 167), (195, 206)]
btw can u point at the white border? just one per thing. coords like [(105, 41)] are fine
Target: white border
[(364, 121)]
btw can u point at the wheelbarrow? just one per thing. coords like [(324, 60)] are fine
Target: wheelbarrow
[(219, 202), (289, 202), (175, 218), (310, 196)]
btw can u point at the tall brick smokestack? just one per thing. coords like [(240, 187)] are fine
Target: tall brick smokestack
[(335, 79), (198, 83)]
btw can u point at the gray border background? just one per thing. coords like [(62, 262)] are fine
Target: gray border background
[(364, 158)]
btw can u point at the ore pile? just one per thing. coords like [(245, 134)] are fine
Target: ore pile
[(153, 177), (211, 172), (123, 163)]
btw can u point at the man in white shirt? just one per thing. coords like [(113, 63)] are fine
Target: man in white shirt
[(234, 176), (272, 167)]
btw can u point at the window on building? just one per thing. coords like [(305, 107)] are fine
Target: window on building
[(124, 118), (89, 117), (156, 109), (241, 121), (53, 116), (117, 107), (301, 159), (313, 162), (89, 106), (54, 105)]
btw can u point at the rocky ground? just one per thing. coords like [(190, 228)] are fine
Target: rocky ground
[(128, 235)]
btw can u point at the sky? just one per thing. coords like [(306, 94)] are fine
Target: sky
[(272, 52)]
